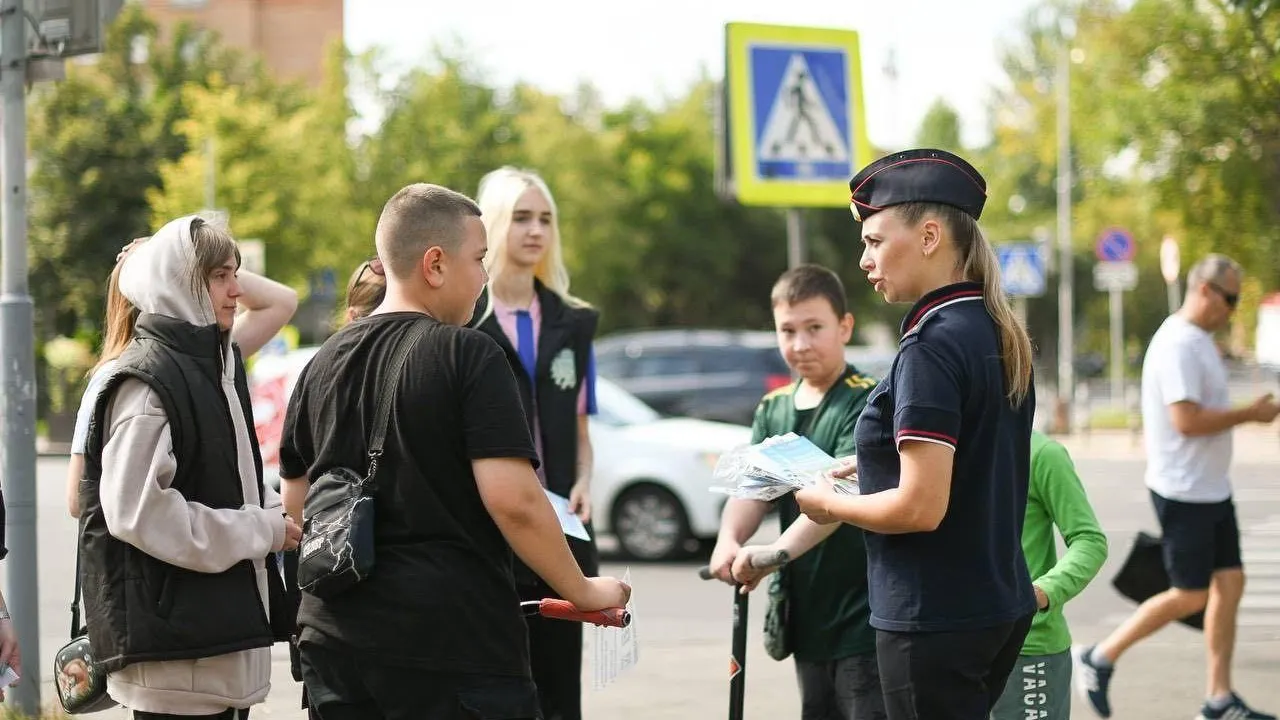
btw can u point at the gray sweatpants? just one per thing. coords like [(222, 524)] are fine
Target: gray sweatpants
[(1039, 688)]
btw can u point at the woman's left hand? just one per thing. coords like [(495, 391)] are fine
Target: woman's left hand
[(580, 501), (815, 501)]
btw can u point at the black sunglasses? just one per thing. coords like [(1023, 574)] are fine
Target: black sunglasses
[(1231, 299), (374, 266)]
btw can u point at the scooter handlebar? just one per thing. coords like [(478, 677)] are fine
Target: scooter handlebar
[(564, 610), (760, 560)]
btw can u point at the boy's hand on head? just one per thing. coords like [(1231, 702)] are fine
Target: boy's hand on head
[(129, 248)]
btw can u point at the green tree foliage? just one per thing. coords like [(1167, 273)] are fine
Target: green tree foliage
[(940, 128), (1175, 131), (97, 140)]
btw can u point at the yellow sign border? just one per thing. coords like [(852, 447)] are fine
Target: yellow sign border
[(748, 187)]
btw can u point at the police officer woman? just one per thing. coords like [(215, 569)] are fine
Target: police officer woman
[(943, 448)]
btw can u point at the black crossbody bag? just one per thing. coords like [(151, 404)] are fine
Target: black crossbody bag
[(79, 680), (337, 549)]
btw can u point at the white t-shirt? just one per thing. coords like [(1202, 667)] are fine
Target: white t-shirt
[(1183, 364), (80, 435)]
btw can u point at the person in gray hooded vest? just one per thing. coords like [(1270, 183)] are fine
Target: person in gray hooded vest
[(179, 531)]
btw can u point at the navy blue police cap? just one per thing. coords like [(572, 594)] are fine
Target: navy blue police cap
[(923, 175)]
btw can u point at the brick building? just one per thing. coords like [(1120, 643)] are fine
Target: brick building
[(291, 36)]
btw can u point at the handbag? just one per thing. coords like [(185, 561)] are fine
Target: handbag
[(777, 638), (337, 548), (1143, 575), (777, 615), (79, 680)]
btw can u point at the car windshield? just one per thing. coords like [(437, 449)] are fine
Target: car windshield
[(619, 407)]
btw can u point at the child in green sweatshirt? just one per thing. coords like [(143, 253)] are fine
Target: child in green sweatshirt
[(1040, 685)]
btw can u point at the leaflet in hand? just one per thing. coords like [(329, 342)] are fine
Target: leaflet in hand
[(775, 467)]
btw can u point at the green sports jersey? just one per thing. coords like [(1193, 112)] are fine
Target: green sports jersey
[(1055, 497), (828, 585)]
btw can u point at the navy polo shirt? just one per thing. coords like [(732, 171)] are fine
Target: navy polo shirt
[(947, 386)]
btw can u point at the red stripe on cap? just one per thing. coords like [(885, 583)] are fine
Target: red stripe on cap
[(917, 160)]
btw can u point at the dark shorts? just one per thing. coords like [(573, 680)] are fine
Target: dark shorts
[(1197, 539), (342, 686)]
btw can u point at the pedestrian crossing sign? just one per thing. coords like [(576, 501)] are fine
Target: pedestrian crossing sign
[(1021, 269), (795, 123)]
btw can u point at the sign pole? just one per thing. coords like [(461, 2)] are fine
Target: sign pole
[(1066, 268), (18, 376), (1117, 345), (1020, 309), (795, 238)]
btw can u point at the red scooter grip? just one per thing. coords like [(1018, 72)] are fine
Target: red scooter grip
[(564, 610)]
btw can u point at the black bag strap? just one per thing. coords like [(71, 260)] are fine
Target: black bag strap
[(75, 597), (387, 393)]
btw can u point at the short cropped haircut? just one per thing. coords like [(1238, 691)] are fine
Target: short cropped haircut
[(805, 282), (419, 217), (1213, 268)]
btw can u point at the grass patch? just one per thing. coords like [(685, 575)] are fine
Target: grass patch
[(1113, 418)]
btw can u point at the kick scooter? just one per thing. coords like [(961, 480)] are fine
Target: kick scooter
[(738, 654)]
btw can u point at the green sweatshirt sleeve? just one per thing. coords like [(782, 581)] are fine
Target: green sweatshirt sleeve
[(1054, 478)]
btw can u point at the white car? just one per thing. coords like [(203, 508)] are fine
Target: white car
[(651, 488), (652, 480)]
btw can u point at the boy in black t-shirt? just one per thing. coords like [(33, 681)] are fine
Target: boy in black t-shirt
[(456, 491)]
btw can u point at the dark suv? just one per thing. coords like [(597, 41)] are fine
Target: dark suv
[(709, 374)]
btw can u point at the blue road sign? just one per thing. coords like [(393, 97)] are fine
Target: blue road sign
[(1022, 269), (801, 108), (796, 124), (1115, 245)]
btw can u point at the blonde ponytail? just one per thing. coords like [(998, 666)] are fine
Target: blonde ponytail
[(981, 265)]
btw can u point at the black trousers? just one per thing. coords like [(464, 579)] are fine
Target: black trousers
[(947, 675)]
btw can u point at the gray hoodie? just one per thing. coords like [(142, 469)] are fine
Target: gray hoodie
[(138, 466)]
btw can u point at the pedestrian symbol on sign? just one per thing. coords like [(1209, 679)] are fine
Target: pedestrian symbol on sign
[(1021, 269), (800, 126)]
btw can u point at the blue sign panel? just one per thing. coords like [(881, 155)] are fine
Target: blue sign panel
[(1021, 269), (801, 106), (1115, 245)]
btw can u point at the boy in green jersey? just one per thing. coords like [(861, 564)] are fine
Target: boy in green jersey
[(826, 589), (1039, 687)]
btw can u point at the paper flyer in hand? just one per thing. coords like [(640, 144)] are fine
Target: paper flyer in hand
[(570, 523), (616, 649), (779, 465)]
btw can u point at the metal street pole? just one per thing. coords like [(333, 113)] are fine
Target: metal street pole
[(1066, 269), (1117, 347), (795, 238), (17, 366)]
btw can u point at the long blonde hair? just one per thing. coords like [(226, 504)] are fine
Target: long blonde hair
[(121, 315), (499, 192), (980, 265)]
